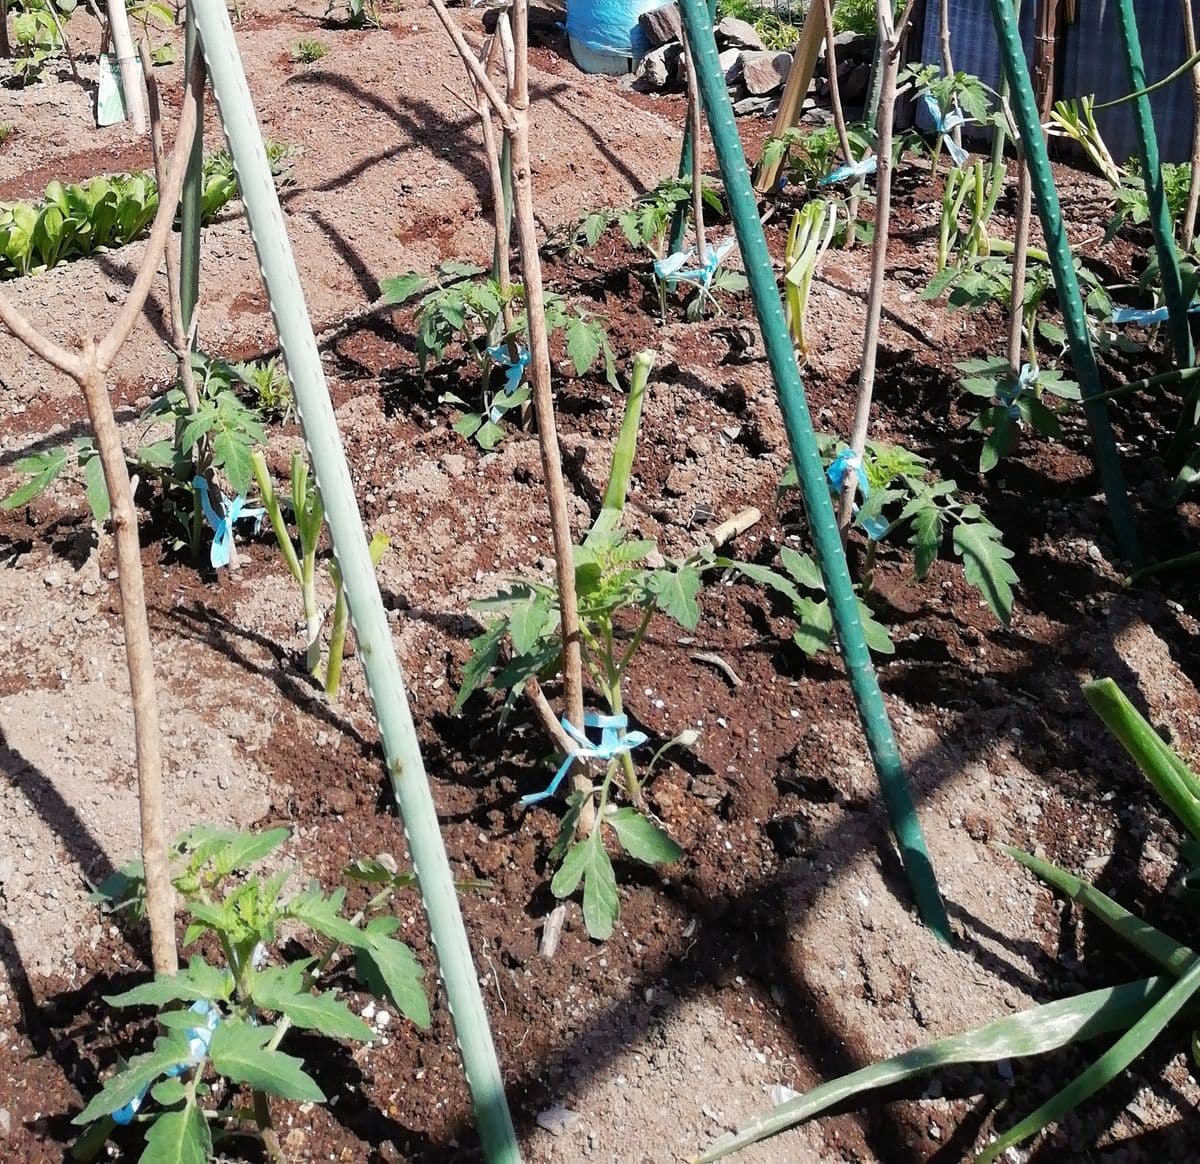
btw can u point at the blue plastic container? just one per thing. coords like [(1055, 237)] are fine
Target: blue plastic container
[(604, 34)]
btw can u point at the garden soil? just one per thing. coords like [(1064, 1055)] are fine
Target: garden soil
[(783, 948)]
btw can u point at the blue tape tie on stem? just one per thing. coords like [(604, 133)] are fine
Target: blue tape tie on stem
[(860, 169), (945, 124), (1150, 316), (614, 740), (1010, 395), (673, 269), (499, 355), (222, 526), (846, 461), (198, 1037)]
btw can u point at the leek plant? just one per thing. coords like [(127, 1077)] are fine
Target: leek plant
[(1141, 1010)]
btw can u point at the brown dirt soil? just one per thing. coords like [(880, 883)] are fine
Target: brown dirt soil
[(782, 949)]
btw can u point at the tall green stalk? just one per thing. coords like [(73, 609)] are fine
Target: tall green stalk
[(1156, 196), (882, 744), (396, 728), (1065, 280)]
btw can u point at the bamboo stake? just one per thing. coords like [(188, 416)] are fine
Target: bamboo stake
[(514, 117), (804, 62), (695, 123), (891, 39), (947, 58)]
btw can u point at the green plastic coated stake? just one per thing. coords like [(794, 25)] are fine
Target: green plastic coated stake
[(1045, 195), (396, 729), (1160, 215), (190, 203), (815, 488)]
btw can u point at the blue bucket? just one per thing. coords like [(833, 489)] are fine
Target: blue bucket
[(604, 34)]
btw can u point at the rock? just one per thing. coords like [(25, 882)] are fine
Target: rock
[(662, 25), (731, 65), (557, 1120), (853, 87), (734, 33), (5, 1123), (748, 105), (656, 69), (765, 72), (853, 46)]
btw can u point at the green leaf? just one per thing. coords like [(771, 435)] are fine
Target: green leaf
[(485, 651), (1168, 954), (42, 468), (1029, 1032), (675, 592), (588, 861), (170, 1091), (815, 632), (391, 969), (281, 989), (1123, 1052), (488, 435), (95, 487), (231, 453), (179, 1137), (401, 288), (583, 340), (764, 576), (802, 568), (985, 565), (136, 1076), (641, 838), (876, 634), (239, 1052), (198, 981), (1173, 780), (245, 849), (526, 623)]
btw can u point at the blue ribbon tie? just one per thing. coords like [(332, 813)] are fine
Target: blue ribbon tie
[(844, 462), (945, 124), (516, 368), (232, 512), (199, 1038), (1011, 394), (859, 169), (672, 269), (1150, 317), (614, 740)]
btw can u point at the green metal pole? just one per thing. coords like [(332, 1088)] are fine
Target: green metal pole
[(1062, 263), (397, 731), (190, 205), (882, 744), (1160, 215), (679, 222)]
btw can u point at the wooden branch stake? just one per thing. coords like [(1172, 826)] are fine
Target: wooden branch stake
[(88, 368)]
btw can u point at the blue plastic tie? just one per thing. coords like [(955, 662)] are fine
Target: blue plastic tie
[(232, 512), (847, 459), (1010, 395), (671, 269), (614, 740), (945, 124), (199, 1038), (516, 368), (1148, 317), (860, 169)]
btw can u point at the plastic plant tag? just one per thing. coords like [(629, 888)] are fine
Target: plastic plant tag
[(110, 99)]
